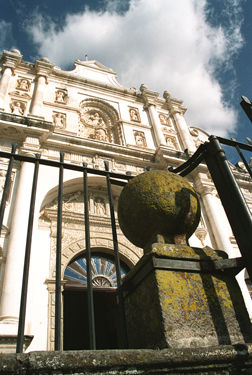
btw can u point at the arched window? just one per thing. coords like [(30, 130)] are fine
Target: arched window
[(75, 312), (103, 271)]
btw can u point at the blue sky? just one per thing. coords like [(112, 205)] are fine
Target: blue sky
[(198, 50)]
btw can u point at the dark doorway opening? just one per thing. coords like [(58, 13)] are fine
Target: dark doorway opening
[(75, 315)]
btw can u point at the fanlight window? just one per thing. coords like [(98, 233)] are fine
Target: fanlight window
[(103, 272)]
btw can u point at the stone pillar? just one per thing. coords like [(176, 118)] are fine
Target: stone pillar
[(150, 99), (10, 61), (216, 217), (177, 111), (43, 68), (13, 273), (175, 298)]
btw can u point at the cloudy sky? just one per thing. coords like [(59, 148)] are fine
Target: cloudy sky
[(198, 50)]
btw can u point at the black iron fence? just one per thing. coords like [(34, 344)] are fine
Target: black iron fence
[(210, 153), (111, 179), (232, 199)]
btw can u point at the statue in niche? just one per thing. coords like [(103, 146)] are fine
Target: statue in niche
[(170, 142), (23, 84), (140, 138), (59, 120), (134, 114), (96, 120), (101, 134), (163, 119), (99, 206), (17, 108), (61, 96)]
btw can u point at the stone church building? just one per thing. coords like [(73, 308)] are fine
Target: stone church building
[(87, 114)]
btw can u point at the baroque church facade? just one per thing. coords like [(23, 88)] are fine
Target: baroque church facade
[(87, 114)]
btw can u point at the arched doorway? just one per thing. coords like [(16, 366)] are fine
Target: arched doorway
[(75, 311)]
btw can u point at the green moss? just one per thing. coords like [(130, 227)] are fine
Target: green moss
[(157, 202)]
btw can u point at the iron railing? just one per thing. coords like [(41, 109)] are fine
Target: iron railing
[(232, 199), (111, 179), (210, 153)]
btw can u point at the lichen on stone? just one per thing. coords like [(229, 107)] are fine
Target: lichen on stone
[(158, 202)]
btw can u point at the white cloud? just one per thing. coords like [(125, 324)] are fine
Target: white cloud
[(166, 44)]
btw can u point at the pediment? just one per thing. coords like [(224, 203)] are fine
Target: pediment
[(96, 72), (94, 65)]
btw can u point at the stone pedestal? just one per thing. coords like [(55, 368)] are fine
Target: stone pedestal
[(181, 297)]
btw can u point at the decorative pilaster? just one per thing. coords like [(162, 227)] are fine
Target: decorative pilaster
[(10, 60), (177, 111), (13, 271), (213, 209), (43, 69), (150, 98)]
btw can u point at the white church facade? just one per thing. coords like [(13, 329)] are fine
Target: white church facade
[(92, 118)]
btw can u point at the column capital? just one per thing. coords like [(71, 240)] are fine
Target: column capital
[(30, 146), (43, 67), (205, 189), (11, 59), (174, 105), (150, 97)]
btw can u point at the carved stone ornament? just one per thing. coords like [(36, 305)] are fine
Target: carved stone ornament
[(164, 119), (59, 120), (134, 114), (171, 142), (99, 121), (199, 136), (140, 138), (74, 203), (61, 96), (17, 107), (201, 234), (241, 166), (23, 84), (20, 94), (99, 207)]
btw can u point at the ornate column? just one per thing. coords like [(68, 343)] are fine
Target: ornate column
[(150, 98), (177, 111), (43, 69), (13, 271), (216, 216), (10, 60)]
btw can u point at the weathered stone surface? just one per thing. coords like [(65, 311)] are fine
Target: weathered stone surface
[(157, 202), (220, 360), (171, 302)]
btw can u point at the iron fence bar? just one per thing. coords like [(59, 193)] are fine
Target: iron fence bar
[(231, 142), (243, 159), (58, 164), (91, 317), (22, 310), (57, 342), (232, 199), (7, 185), (191, 163), (117, 259)]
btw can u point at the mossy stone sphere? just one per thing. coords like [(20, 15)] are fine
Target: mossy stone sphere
[(157, 202)]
